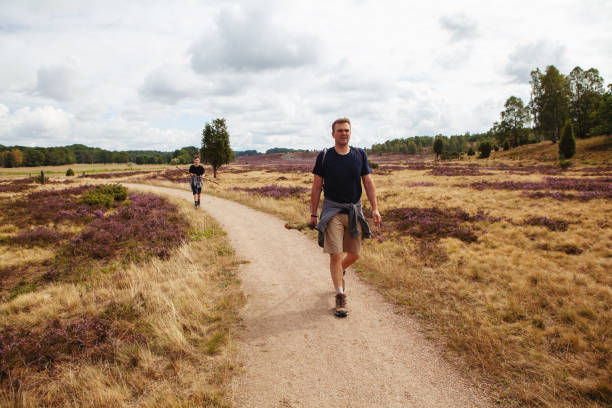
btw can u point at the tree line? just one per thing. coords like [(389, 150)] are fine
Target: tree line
[(22, 156), (578, 100)]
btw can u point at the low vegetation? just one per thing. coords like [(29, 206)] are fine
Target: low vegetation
[(505, 263), (129, 304)]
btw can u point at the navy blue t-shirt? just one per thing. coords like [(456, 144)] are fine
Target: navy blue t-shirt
[(342, 174)]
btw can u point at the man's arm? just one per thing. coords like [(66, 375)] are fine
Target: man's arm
[(315, 196), (370, 189)]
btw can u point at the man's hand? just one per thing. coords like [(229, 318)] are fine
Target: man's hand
[(376, 216), (312, 222)]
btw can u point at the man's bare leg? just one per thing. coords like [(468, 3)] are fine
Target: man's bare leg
[(335, 267), (348, 260)]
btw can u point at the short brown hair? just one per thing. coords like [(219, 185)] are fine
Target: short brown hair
[(196, 157), (340, 120)]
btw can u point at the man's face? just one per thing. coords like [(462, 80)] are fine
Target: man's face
[(342, 133), (196, 161)]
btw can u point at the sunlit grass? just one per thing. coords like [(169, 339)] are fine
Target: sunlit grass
[(526, 306), (170, 322)]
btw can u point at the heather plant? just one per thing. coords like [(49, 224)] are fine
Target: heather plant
[(553, 224), (450, 171), (149, 226), (274, 191), (69, 173), (39, 236), (88, 337), (432, 223), (589, 188), (18, 185), (43, 207)]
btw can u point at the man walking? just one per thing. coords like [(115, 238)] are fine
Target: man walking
[(339, 171), (196, 171)]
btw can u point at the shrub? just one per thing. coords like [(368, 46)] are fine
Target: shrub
[(372, 164), (105, 195), (567, 144), (485, 149), (438, 146), (506, 145), (69, 172), (564, 164), (471, 151)]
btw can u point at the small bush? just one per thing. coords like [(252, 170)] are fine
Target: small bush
[(485, 149), (506, 145), (471, 152), (105, 195), (564, 164), (69, 172), (372, 165)]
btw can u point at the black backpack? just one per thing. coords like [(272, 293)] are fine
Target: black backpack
[(361, 152)]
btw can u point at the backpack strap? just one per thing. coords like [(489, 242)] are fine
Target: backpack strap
[(361, 152)]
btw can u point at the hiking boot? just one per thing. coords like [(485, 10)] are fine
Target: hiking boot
[(341, 310)]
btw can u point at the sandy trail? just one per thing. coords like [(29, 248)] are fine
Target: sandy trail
[(297, 354)]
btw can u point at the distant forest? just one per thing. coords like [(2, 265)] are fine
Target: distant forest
[(21, 156), (579, 100)]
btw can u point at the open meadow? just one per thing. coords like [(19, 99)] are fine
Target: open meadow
[(506, 263), (112, 298)]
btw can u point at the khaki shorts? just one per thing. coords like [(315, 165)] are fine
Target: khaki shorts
[(338, 236)]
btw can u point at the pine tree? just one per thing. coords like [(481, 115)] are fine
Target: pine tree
[(216, 145), (567, 145)]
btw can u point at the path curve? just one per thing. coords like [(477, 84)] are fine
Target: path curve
[(297, 354)]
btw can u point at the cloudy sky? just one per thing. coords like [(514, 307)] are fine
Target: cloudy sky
[(150, 74)]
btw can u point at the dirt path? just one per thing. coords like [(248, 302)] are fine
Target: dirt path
[(297, 354)]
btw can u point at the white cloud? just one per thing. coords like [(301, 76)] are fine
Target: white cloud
[(527, 57), (58, 82), (460, 26), (249, 40)]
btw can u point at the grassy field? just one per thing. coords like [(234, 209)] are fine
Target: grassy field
[(505, 262), (79, 169), (131, 304)]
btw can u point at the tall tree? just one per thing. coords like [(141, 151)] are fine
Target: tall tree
[(514, 120), (17, 157), (549, 101), (587, 90), (603, 115), (216, 149)]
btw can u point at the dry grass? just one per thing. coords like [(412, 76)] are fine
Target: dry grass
[(183, 310), (590, 151), (80, 168), (525, 308)]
